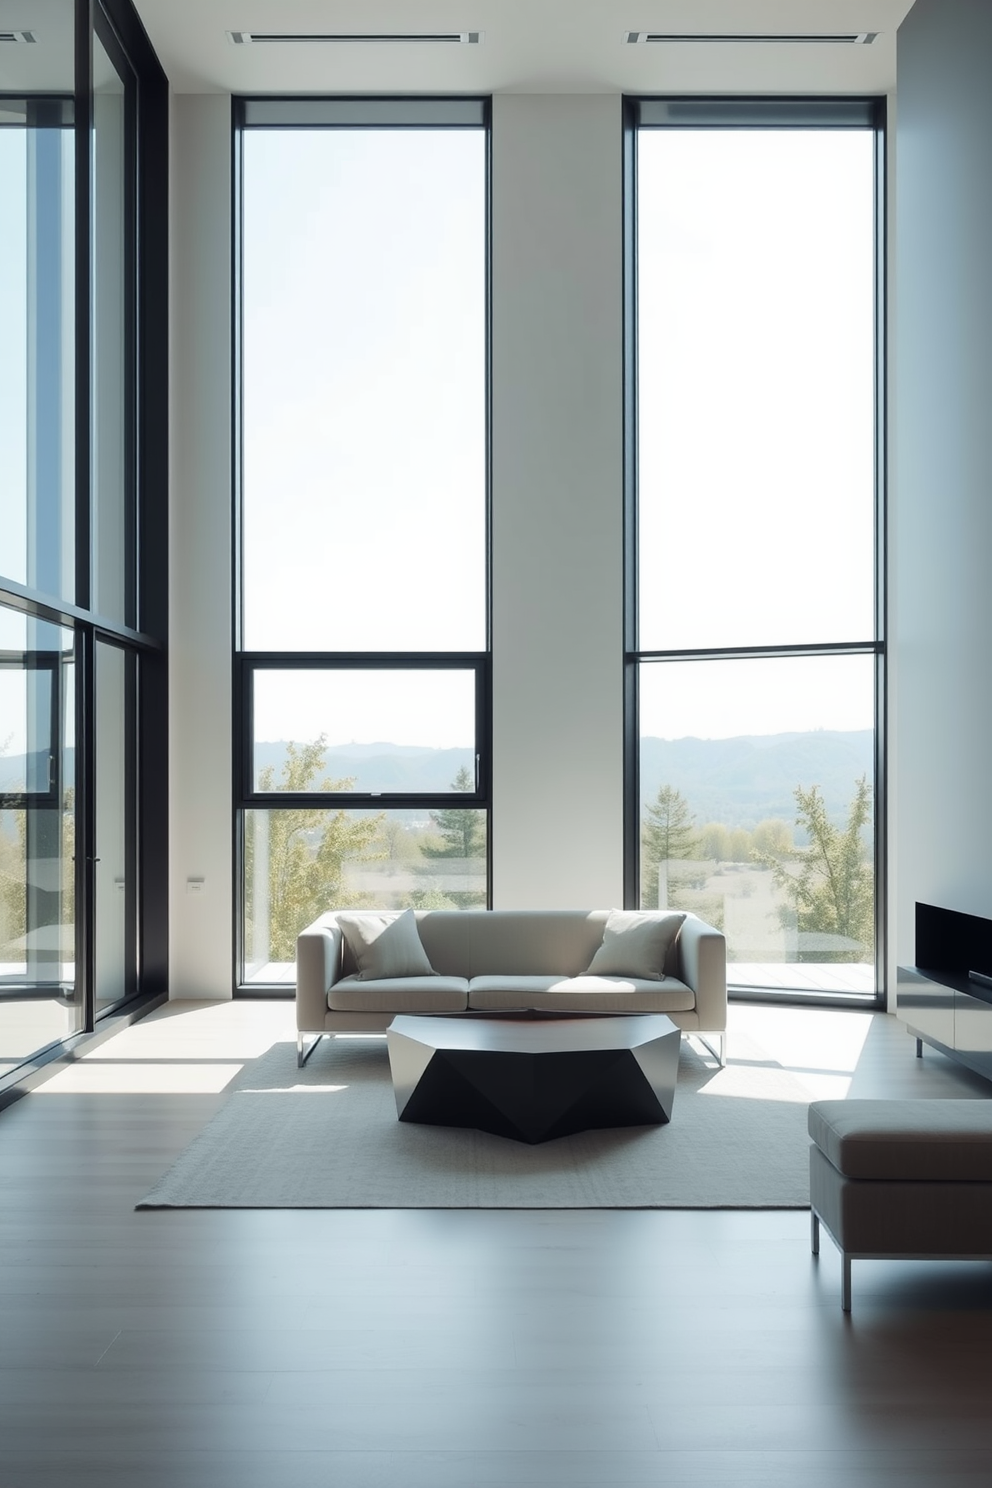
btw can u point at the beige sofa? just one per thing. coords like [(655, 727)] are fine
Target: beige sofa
[(491, 960)]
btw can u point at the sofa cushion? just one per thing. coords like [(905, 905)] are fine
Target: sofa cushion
[(581, 994), (428, 994), (385, 945), (635, 945), (531, 942)]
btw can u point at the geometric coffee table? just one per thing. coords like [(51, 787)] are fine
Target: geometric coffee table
[(534, 1078)]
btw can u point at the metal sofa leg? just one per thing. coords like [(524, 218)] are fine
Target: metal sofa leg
[(302, 1055), (720, 1052), (814, 1232)]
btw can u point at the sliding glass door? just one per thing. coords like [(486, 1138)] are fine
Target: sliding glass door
[(83, 475)]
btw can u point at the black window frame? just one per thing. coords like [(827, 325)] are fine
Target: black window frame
[(51, 662), (250, 663), (347, 112), (753, 112)]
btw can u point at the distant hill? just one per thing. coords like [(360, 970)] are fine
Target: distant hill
[(380, 767), (735, 781), (738, 781), (741, 781), (16, 769)]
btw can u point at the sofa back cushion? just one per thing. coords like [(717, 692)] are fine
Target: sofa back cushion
[(636, 944), (510, 942), (385, 945)]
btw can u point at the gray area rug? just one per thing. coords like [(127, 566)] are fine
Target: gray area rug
[(327, 1137)]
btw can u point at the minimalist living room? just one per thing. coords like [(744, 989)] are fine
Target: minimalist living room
[(495, 930)]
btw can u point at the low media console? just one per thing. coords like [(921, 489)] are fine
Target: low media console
[(946, 998)]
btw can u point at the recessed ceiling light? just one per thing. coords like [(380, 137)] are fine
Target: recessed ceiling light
[(22, 38), (850, 38), (272, 38)]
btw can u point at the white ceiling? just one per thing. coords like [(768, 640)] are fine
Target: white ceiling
[(542, 46)]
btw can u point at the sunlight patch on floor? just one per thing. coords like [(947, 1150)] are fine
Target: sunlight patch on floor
[(819, 1047), (291, 1089)]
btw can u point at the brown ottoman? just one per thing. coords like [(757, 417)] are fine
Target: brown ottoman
[(900, 1179)]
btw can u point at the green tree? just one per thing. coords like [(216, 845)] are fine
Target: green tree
[(13, 876), (831, 882), (461, 835), (714, 842), (668, 833), (773, 837), (307, 848), (739, 846)]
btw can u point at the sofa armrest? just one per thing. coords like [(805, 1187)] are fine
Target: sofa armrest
[(703, 966), (318, 965)]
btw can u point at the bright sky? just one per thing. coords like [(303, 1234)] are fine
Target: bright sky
[(756, 414), (364, 422), (365, 403), (429, 708), (756, 368), (724, 699), (756, 424), (13, 391)]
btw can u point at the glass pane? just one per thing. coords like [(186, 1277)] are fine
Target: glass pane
[(115, 818), (299, 863), (113, 386), (37, 844), (26, 714), (757, 813), (364, 731), (364, 389), (756, 347), (36, 335)]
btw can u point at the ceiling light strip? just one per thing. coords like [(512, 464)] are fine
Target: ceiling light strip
[(850, 38), (443, 38)]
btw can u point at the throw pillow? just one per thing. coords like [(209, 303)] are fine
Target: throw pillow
[(385, 945), (635, 945)]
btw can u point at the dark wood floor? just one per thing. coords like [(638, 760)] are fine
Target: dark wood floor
[(454, 1349)]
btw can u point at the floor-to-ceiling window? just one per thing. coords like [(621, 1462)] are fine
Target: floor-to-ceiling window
[(362, 668), (82, 522), (754, 648)]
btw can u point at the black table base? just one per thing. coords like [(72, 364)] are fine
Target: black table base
[(534, 1080)]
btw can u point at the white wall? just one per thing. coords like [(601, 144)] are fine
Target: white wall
[(200, 549), (557, 519), (940, 536)]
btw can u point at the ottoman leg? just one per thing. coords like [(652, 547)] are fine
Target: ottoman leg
[(845, 1281)]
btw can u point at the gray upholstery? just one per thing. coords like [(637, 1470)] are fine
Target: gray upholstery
[(424, 994), (385, 945), (636, 944), (901, 1178), (588, 994), (939, 1140), (893, 1218), (508, 958)]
